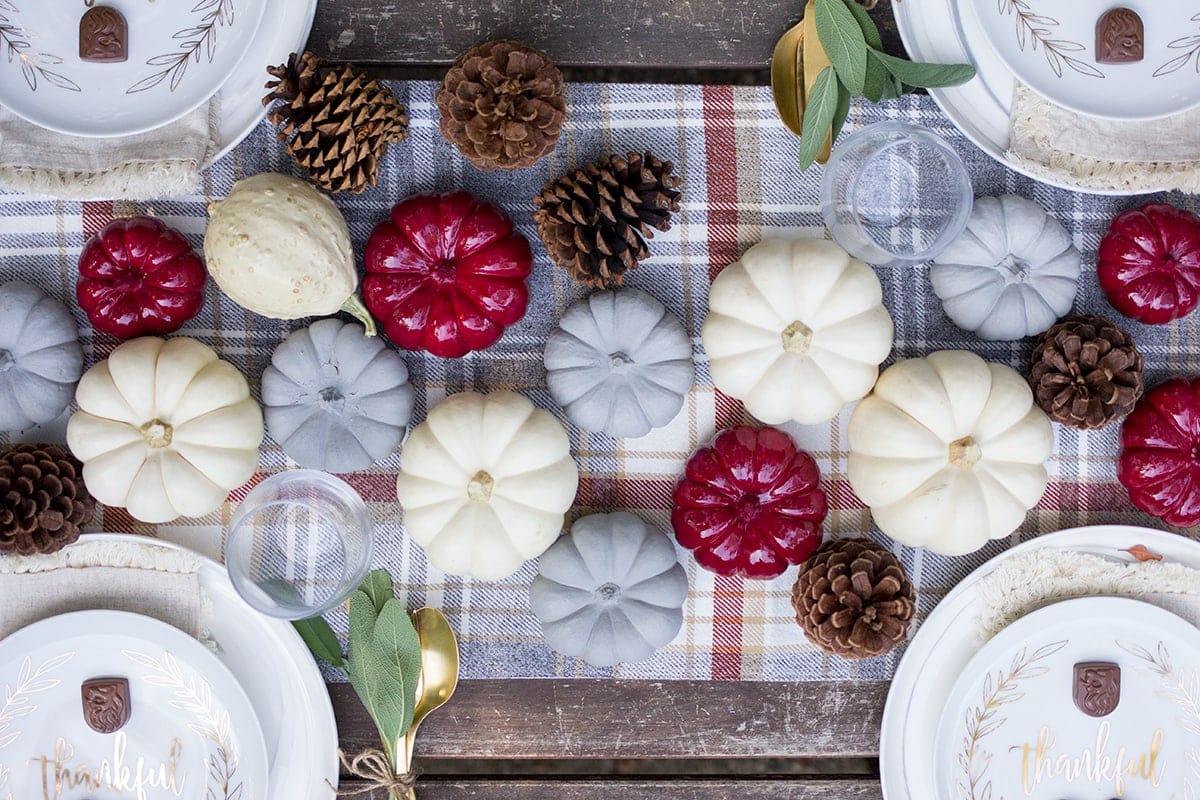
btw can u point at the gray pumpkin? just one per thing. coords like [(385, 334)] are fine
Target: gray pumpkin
[(611, 591), (336, 399), (619, 363), (40, 357)]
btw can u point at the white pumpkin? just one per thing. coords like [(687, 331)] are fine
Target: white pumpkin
[(949, 451), (165, 429), (1010, 274), (796, 329), (485, 482), (280, 248)]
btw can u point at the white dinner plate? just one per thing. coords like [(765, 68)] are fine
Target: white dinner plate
[(1055, 48), (191, 731), (179, 54), (935, 30), (1060, 693), (949, 637)]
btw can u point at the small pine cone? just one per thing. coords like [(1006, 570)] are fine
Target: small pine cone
[(1086, 372), (42, 499), (502, 105), (853, 599), (595, 221), (336, 123)]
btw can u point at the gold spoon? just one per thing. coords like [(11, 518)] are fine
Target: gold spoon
[(439, 673), (787, 77)]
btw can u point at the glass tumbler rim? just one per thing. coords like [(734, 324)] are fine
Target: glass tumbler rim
[(356, 506), (962, 179)]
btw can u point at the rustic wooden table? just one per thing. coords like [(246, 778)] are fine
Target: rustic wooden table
[(579, 739)]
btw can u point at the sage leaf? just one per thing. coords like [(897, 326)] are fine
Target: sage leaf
[(841, 111), (321, 640), (866, 24), (818, 116), (875, 84), (378, 586), (843, 41), (925, 76), (384, 666)]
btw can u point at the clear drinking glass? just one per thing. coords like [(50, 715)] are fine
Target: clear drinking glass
[(894, 194), (299, 544)]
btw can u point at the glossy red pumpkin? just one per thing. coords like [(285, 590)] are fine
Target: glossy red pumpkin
[(139, 277), (750, 503), (1160, 457), (1149, 263), (446, 273)]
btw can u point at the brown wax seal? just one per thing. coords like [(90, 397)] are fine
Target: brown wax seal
[(1120, 38), (1097, 689), (103, 36), (106, 706)]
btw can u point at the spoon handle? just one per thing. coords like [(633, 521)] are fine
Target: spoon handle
[(410, 739)]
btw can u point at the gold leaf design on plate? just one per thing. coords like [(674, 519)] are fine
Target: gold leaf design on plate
[(16, 45), (199, 41), (1036, 29), (17, 702)]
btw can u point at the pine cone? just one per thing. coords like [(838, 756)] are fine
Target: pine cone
[(853, 599), (42, 499), (502, 105), (1086, 372), (337, 124), (595, 221)]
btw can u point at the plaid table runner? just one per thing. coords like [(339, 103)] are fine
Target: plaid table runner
[(740, 182)]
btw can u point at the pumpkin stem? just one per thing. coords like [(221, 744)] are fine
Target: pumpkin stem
[(157, 433), (797, 338), (965, 453), (355, 308), (480, 487)]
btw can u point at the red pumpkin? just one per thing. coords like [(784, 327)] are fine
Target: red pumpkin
[(1149, 263), (750, 503), (446, 273), (138, 277), (1160, 459)]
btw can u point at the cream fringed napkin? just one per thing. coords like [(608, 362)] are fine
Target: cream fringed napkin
[(118, 576), (164, 162), (1103, 155), (1040, 577)]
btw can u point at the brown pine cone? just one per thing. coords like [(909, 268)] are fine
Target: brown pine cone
[(1086, 372), (595, 221), (502, 105), (853, 599), (336, 123), (42, 499)]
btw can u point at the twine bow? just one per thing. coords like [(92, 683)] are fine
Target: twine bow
[(374, 767)]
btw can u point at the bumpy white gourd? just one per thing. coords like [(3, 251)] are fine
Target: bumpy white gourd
[(796, 329), (165, 429), (949, 451), (485, 482), (1010, 274), (280, 248)]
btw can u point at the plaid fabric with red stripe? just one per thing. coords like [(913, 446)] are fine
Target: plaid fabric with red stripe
[(741, 183)]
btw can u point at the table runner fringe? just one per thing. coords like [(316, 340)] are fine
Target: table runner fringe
[(133, 554)]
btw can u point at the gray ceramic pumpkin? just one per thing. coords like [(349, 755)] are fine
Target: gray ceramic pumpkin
[(336, 399), (611, 591), (40, 357), (619, 363)]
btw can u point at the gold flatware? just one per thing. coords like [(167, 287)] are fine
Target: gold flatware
[(787, 78), (439, 673)]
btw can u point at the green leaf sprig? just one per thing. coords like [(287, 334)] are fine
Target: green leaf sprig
[(860, 68), (383, 661)]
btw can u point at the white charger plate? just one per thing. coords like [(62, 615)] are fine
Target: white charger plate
[(275, 668), (179, 54), (1013, 714), (190, 723), (1051, 46), (932, 30), (948, 638)]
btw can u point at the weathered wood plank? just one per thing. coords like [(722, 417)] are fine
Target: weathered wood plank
[(788, 789), (640, 36), (549, 719)]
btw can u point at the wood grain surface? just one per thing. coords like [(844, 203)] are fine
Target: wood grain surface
[(823, 789), (637, 39), (600, 719)]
